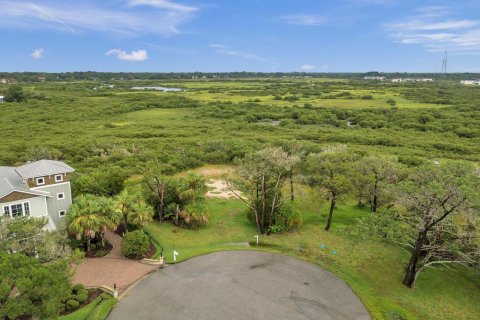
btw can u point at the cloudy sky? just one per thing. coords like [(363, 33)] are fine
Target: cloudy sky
[(239, 35)]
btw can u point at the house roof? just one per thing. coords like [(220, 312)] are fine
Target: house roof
[(43, 168), (11, 181)]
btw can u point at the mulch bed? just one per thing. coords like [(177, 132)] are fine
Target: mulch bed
[(150, 253)]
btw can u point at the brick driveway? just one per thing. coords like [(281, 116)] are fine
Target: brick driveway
[(113, 268)]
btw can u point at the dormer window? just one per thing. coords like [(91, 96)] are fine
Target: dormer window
[(40, 181), (58, 178)]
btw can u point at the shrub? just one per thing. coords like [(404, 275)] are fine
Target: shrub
[(106, 295), (135, 244), (72, 304), (83, 292), (93, 247), (81, 298), (78, 287)]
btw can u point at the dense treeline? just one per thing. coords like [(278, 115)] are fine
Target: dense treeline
[(109, 76)]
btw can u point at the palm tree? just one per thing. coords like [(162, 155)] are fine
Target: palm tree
[(141, 215), (123, 206), (86, 226), (90, 215)]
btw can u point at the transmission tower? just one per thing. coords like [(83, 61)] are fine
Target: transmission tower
[(445, 62)]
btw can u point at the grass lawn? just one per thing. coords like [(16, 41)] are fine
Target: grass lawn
[(374, 270)]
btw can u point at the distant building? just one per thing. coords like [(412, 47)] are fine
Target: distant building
[(373, 78), (164, 89), (37, 189), (2, 99), (412, 80), (7, 80), (470, 82), (42, 79)]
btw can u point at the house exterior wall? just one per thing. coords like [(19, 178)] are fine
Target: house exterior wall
[(38, 206), (49, 180), (56, 205)]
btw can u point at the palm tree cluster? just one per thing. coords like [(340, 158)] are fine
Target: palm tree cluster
[(91, 216)]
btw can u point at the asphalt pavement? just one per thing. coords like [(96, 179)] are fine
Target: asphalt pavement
[(240, 285)]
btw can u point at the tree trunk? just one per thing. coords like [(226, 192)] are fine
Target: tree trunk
[(88, 244), (413, 269), (161, 205), (373, 207), (330, 214), (177, 212), (292, 194)]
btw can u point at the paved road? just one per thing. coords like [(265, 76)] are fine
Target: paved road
[(240, 285)]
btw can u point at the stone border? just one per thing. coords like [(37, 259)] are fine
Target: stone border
[(153, 262)]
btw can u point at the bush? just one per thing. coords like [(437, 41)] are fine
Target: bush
[(81, 298), (72, 304), (78, 287), (93, 247), (105, 295), (135, 244), (82, 292)]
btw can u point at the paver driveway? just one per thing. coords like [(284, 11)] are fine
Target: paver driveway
[(112, 268), (240, 285)]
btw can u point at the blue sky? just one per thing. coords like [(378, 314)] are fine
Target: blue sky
[(239, 35)]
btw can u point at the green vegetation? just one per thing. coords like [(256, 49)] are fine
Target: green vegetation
[(395, 130), (373, 269), (98, 309), (135, 244)]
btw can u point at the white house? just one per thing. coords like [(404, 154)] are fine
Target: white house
[(37, 189), (470, 82), (373, 78)]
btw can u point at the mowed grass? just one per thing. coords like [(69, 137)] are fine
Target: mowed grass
[(373, 269)]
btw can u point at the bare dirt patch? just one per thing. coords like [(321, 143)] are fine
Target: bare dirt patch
[(219, 188)]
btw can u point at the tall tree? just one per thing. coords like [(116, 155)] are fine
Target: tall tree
[(331, 171), (263, 175), (293, 150), (432, 197), (155, 182), (376, 175), (124, 205)]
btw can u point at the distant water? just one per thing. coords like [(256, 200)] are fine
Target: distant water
[(164, 89)]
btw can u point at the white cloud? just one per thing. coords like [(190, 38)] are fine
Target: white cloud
[(307, 67), (229, 51), (163, 4), (37, 53), (136, 55), (432, 28), (164, 18), (304, 20)]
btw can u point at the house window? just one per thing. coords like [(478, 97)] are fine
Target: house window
[(6, 210), (62, 213), (40, 181), (17, 210), (26, 206), (58, 178), (61, 196)]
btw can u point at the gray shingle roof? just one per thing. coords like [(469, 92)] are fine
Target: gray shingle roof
[(43, 168), (11, 181)]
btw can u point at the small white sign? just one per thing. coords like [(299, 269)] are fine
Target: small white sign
[(175, 254), (257, 238)]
